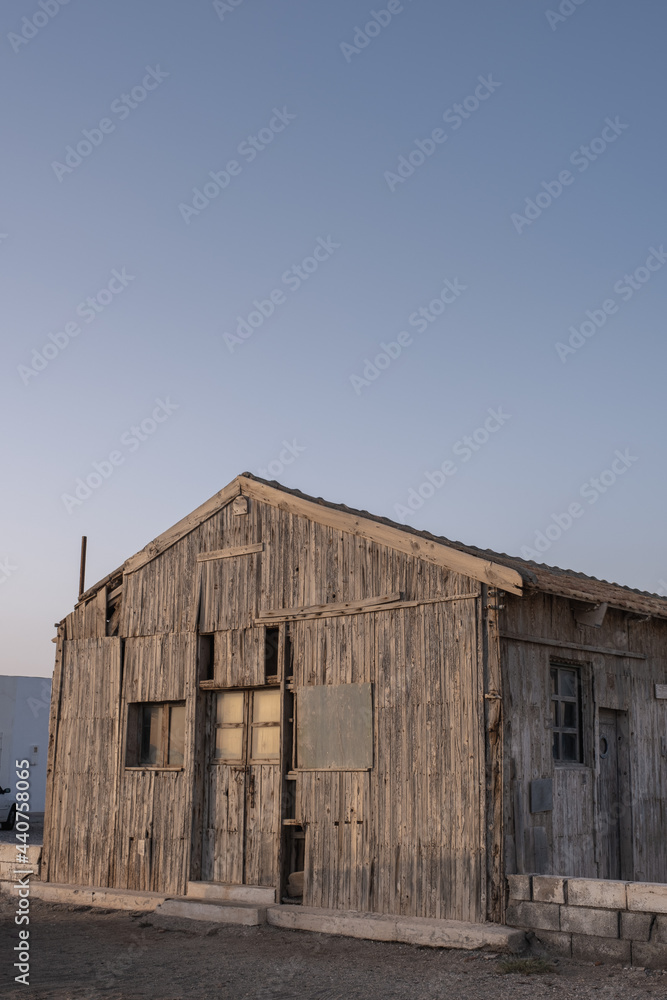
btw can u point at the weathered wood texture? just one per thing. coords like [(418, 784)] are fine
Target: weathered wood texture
[(152, 844), (567, 840), (80, 820), (242, 824), (407, 836)]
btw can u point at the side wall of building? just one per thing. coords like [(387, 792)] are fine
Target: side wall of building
[(24, 726), (571, 837)]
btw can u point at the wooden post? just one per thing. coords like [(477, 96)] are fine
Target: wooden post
[(494, 757), (82, 567)]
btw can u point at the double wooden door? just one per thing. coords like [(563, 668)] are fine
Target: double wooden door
[(242, 809)]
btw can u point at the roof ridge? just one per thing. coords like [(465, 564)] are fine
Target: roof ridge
[(510, 560)]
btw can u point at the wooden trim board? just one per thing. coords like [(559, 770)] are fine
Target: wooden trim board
[(182, 527), (240, 550), (483, 570), (560, 644), (312, 610), (390, 602)]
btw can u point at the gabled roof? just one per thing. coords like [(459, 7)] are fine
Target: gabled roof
[(509, 573)]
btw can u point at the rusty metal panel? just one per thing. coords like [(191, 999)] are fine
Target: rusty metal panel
[(335, 727)]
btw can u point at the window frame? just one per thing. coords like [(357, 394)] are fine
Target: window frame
[(555, 666), (134, 734), (248, 726), (233, 761)]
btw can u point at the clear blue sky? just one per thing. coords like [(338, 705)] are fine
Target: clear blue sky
[(304, 120)]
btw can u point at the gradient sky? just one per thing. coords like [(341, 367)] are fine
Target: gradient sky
[(219, 73)]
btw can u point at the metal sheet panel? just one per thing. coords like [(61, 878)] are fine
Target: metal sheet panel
[(335, 727), (541, 795)]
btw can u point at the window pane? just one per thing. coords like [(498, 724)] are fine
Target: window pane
[(229, 743), (568, 683), (266, 742), (176, 734), (556, 746), (554, 709), (150, 734), (230, 707), (569, 710), (569, 747), (271, 637), (266, 706)]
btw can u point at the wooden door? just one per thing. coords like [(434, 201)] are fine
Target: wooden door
[(613, 799), (242, 813)]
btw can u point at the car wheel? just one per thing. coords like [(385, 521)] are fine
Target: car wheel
[(11, 819)]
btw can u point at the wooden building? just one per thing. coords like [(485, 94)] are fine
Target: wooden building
[(278, 685)]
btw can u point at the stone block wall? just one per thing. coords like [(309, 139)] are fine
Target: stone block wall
[(8, 862), (592, 919)]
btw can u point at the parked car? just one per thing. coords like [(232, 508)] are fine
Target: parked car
[(7, 809)]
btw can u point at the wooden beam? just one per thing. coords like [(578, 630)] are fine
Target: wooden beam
[(388, 603), (100, 606), (560, 644), (494, 742), (104, 582), (182, 527), (240, 550), (486, 571), (314, 610), (615, 597), (54, 722)]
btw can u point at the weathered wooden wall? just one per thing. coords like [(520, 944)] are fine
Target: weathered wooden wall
[(407, 836), (82, 795), (566, 841), (152, 843)]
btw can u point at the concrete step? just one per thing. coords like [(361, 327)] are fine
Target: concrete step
[(81, 895), (216, 912), (218, 892), (409, 930)]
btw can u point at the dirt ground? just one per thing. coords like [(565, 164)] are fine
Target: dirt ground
[(78, 953)]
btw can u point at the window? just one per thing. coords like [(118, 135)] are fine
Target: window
[(156, 734), (566, 714), (265, 725), (230, 725), (271, 640), (206, 657), (247, 726)]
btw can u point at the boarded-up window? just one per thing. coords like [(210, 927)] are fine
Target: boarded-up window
[(335, 727)]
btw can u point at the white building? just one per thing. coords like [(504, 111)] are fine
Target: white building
[(24, 732)]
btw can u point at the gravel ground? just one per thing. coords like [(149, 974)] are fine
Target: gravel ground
[(80, 953)]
